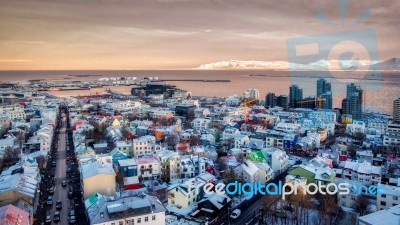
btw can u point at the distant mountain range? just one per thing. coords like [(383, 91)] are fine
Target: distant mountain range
[(391, 64)]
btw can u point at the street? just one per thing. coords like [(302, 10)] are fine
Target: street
[(252, 211), (261, 202), (60, 192)]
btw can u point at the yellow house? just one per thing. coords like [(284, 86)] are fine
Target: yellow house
[(97, 176), (183, 195), (116, 123)]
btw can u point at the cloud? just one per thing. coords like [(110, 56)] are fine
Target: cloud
[(14, 60)]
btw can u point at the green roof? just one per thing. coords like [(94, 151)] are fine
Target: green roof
[(256, 156), (93, 198)]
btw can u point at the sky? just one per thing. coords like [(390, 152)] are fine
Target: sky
[(174, 34)]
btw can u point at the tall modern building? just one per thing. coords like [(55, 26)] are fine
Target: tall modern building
[(396, 111), (270, 100), (327, 103), (295, 94), (283, 101), (353, 103), (324, 90), (323, 86)]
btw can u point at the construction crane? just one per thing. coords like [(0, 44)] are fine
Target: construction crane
[(318, 100), (245, 103)]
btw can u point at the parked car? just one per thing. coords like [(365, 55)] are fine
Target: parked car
[(71, 219), (235, 213), (48, 218), (49, 200), (71, 212), (56, 217), (58, 204), (51, 190), (53, 164)]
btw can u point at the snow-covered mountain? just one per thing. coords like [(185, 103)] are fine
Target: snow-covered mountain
[(240, 64), (391, 64)]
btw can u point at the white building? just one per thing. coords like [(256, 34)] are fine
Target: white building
[(16, 113), (390, 197), (148, 168), (200, 123), (240, 140), (125, 147), (248, 171), (288, 127), (390, 216), (184, 194), (141, 146), (143, 209), (251, 94), (363, 172), (279, 161), (355, 127), (392, 135)]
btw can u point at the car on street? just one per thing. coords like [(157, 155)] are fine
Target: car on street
[(235, 214), (51, 190), (71, 219), (48, 218), (58, 204), (56, 217), (71, 212), (53, 164), (49, 200), (70, 194), (64, 183)]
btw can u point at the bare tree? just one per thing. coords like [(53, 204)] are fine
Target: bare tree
[(361, 204), (171, 140), (10, 156), (194, 140), (40, 160)]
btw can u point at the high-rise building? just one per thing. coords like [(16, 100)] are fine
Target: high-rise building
[(345, 106), (396, 111), (283, 101), (323, 86), (353, 102), (251, 94), (270, 100), (327, 103), (295, 94), (324, 90)]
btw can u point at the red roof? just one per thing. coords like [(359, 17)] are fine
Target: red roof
[(146, 160), (10, 214)]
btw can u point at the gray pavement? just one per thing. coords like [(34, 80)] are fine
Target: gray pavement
[(60, 192)]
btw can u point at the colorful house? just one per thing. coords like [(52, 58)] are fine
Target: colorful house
[(117, 155)]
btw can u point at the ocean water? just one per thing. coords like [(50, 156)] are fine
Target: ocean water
[(379, 93)]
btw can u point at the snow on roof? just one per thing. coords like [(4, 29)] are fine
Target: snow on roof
[(9, 214), (100, 145), (390, 216), (93, 168), (390, 190), (127, 162), (364, 167), (131, 180), (19, 183), (217, 200), (146, 160), (167, 154), (249, 167), (206, 176)]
